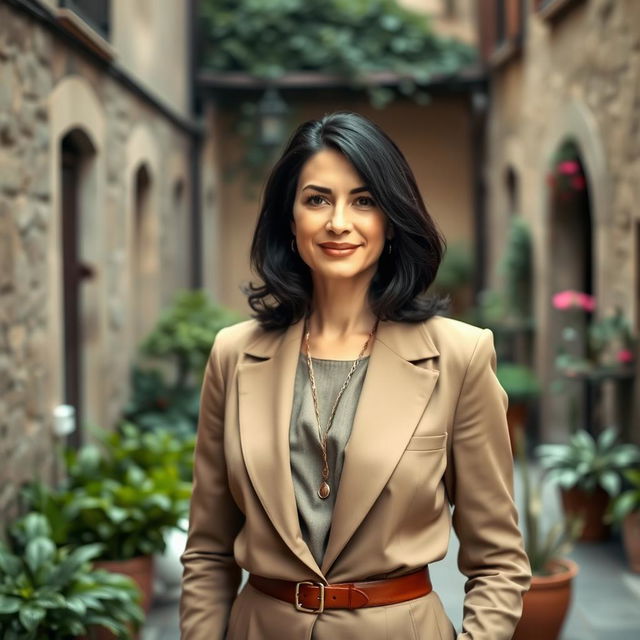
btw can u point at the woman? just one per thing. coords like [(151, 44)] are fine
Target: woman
[(338, 426)]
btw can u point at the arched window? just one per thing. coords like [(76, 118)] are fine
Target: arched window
[(144, 255), (76, 160), (512, 187)]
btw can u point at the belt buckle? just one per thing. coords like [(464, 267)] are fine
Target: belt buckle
[(300, 607)]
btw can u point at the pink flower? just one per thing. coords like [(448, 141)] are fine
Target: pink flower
[(578, 182), (565, 299), (570, 299), (625, 356), (569, 167), (587, 302)]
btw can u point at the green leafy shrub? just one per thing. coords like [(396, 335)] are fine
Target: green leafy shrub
[(52, 593), (185, 332), (456, 269), (519, 381), (149, 450), (120, 496), (588, 463), (516, 268), (181, 341), (154, 404), (629, 500)]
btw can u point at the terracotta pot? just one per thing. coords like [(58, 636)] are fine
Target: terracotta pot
[(591, 506), (516, 421), (631, 539), (546, 603)]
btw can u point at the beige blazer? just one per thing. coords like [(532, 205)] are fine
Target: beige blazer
[(430, 429)]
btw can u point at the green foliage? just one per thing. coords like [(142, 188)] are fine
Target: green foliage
[(515, 266), (490, 309), (268, 38), (589, 463), (150, 450), (349, 38), (456, 269), (519, 381), (629, 500), (608, 336), (541, 548), (52, 593), (154, 404), (610, 346), (181, 339), (120, 496), (185, 332)]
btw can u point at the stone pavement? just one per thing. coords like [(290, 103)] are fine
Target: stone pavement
[(606, 598)]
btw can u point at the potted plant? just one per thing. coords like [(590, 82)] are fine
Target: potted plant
[(166, 382), (609, 342), (625, 511), (589, 473), (521, 385), (114, 502), (150, 450), (53, 593), (547, 602)]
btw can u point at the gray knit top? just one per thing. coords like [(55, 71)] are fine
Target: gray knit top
[(306, 456)]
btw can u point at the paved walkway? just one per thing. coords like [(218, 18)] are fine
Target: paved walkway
[(606, 599)]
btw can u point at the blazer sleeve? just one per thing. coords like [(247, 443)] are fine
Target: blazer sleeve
[(211, 577), (479, 481)]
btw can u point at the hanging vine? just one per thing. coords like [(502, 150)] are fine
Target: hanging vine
[(349, 38)]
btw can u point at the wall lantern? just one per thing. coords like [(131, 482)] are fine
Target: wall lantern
[(272, 112)]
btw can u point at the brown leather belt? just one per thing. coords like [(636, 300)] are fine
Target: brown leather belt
[(315, 597)]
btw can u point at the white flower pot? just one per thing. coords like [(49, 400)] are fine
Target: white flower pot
[(168, 569)]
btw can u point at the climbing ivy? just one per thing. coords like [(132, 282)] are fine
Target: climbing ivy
[(350, 38)]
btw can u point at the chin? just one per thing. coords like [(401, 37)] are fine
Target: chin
[(344, 272)]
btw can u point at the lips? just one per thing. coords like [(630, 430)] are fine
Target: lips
[(338, 245), (338, 249)]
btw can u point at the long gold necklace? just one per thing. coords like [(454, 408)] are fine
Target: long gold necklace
[(324, 490)]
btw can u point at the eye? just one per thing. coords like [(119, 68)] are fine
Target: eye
[(365, 201), (315, 200)]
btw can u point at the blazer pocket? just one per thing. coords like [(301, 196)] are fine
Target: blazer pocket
[(427, 443)]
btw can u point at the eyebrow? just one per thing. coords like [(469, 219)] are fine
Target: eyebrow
[(328, 191)]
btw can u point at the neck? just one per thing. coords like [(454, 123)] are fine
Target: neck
[(340, 308)]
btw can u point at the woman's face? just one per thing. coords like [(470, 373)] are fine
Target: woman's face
[(340, 231)]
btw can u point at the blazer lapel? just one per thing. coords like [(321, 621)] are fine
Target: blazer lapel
[(393, 398), (265, 388)]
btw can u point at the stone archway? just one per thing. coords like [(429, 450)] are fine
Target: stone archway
[(572, 259), (142, 236), (569, 254), (76, 159)]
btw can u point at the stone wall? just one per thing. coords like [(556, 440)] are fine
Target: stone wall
[(34, 67), (577, 76), (25, 82)]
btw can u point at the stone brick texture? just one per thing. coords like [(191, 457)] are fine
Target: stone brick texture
[(32, 62)]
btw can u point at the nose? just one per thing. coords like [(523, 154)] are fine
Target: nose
[(339, 221)]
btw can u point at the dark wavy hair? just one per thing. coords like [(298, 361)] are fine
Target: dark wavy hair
[(398, 289)]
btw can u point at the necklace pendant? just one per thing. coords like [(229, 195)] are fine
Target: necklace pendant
[(324, 490)]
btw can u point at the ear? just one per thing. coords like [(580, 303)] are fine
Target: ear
[(390, 232), (293, 227)]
